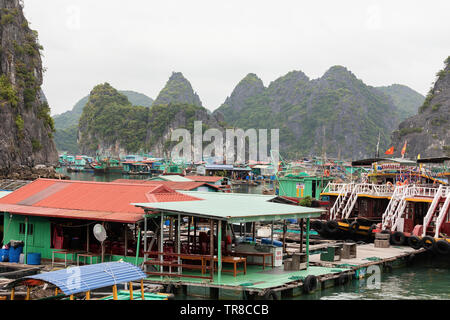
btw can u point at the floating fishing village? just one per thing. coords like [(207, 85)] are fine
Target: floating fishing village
[(315, 224), (302, 189)]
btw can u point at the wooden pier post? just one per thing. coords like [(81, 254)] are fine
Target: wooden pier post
[(211, 246), (219, 250), (142, 290)]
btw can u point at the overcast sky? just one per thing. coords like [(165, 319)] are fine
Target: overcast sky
[(136, 44)]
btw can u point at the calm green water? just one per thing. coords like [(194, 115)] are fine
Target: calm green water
[(423, 280), (427, 278)]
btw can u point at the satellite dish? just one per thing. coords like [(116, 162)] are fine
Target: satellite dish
[(100, 232)]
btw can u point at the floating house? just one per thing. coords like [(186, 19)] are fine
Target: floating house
[(205, 258), (176, 185), (55, 218), (302, 185), (224, 170)]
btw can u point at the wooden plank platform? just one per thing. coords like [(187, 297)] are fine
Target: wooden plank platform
[(366, 255)]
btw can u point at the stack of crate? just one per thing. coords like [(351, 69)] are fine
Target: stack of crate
[(349, 251), (382, 240), (296, 263)]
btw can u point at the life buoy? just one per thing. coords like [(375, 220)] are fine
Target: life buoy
[(428, 242), (415, 242), (310, 283), (442, 247), (397, 238), (390, 185)]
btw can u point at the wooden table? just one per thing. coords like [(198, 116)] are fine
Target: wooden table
[(86, 255), (234, 261), (255, 254), (65, 253), (196, 258)]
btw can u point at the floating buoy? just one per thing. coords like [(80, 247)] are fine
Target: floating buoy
[(331, 226), (415, 242), (428, 242), (310, 283), (317, 225), (442, 247), (397, 238)]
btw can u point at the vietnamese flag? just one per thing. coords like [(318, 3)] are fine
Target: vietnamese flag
[(390, 151), (404, 150)]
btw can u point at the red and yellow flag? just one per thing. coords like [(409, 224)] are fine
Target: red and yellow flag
[(404, 149), (390, 151)]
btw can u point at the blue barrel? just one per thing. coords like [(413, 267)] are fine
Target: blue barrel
[(14, 254), (34, 258), (4, 255), (275, 242)]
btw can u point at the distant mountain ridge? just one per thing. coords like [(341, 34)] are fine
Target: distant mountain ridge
[(428, 132), (66, 124), (178, 90), (111, 125), (337, 113)]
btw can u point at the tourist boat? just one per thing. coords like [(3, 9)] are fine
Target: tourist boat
[(398, 197), (107, 165)]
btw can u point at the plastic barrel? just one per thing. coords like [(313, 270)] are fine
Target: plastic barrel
[(14, 254), (34, 258), (4, 255)]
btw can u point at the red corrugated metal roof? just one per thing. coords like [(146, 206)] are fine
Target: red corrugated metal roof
[(86, 199), (204, 178), (71, 214), (175, 185)]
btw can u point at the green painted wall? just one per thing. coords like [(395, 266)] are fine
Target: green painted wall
[(288, 186), (38, 242)]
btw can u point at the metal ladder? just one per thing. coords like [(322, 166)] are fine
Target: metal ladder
[(350, 203), (391, 208), (442, 215), (431, 211), (340, 202)]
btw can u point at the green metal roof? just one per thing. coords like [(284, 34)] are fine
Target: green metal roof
[(233, 207)]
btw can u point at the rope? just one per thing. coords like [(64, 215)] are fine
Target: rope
[(110, 273)]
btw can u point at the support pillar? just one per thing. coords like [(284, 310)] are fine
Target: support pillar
[(307, 242), (219, 250)]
